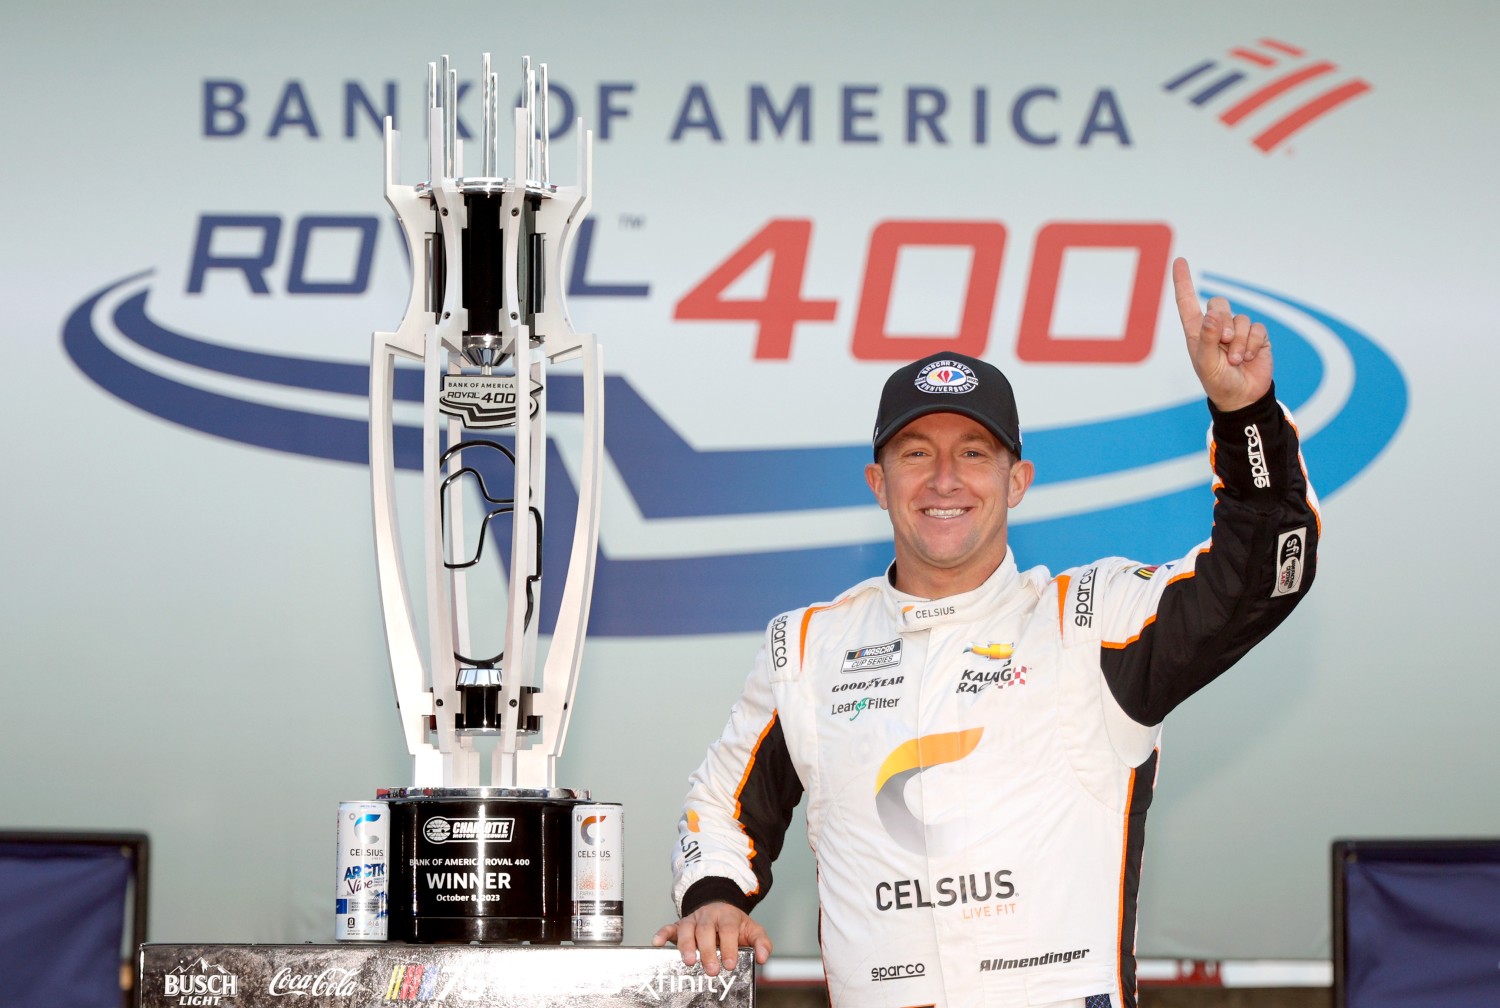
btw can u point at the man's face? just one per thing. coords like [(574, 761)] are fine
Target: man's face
[(948, 485)]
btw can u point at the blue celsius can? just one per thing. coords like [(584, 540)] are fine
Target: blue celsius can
[(361, 900)]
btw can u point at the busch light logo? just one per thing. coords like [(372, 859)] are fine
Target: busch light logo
[(200, 983)]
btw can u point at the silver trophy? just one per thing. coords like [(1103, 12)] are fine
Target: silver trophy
[(486, 318)]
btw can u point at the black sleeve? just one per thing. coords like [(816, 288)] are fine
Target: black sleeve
[(1169, 639), (760, 808)]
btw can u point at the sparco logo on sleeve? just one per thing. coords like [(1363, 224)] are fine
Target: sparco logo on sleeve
[(1257, 457), (873, 656), (1289, 547)]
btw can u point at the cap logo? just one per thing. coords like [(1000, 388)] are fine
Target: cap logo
[(946, 376)]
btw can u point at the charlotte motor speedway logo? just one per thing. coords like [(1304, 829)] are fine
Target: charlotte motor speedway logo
[(1131, 484)]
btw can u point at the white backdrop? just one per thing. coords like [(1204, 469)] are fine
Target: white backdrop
[(190, 638)]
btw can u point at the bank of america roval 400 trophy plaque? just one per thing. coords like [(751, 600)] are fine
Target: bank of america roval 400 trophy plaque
[(513, 858)]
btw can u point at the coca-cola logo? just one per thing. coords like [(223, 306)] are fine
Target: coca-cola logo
[(332, 981)]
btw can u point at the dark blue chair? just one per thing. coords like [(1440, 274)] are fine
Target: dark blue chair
[(1416, 923), (68, 904)]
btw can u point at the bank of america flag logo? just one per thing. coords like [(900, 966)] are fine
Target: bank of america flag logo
[(1271, 87)]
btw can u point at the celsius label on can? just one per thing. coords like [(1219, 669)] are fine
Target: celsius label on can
[(598, 874), (361, 898)]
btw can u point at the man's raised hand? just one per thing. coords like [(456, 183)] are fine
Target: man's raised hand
[(1231, 354)]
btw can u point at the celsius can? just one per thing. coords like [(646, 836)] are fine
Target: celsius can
[(598, 874), (361, 900)]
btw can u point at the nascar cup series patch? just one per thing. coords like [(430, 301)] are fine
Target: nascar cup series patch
[(946, 376)]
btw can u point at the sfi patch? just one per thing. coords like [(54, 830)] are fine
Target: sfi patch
[(947, 377), (1289, 562)]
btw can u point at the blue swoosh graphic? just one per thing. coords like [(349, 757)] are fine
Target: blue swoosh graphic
[(668, 478)]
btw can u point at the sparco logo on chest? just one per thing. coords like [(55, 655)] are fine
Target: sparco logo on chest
[(1083, 599), (778, 642), (899, 971)]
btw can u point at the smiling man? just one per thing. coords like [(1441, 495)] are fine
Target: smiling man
[(978, 743)]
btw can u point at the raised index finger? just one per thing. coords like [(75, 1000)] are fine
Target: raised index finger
[(1189, 309)]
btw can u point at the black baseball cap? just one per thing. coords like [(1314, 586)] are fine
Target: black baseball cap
[(949, 382)]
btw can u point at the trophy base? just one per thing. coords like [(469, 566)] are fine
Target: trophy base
[(486, 931), (486, 865)]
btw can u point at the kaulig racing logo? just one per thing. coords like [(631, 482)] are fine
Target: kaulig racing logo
[(707, 538)]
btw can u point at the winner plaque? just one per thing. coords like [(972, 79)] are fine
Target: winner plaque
[(476, 856)]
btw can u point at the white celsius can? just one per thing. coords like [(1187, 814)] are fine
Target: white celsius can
[(598, 874), (361, 899)]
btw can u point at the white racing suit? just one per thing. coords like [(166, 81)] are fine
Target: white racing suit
[(978, 767)]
